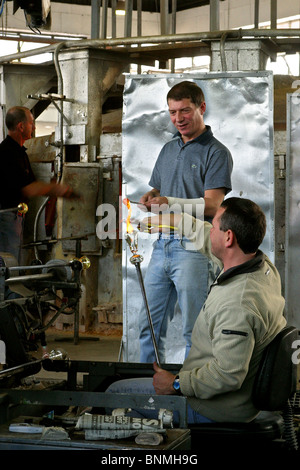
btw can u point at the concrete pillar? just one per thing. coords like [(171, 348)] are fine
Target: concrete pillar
[(240, 56)]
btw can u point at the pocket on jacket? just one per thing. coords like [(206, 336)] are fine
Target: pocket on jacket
[(234, 332)]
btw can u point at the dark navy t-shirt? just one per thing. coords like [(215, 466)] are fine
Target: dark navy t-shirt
[(15, 173)]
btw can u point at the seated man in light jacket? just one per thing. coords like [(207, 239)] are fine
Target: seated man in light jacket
[(242, 314)]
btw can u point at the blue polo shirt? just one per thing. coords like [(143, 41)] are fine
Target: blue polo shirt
[(188, 170)]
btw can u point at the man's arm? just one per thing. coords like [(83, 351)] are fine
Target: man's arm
[(40, 188), (212, 198), (222, 373)]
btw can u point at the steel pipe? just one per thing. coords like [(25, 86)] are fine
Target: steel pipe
[(18, 369), (30, 277), (204, 36)]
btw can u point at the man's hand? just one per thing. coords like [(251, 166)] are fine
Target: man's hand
[(163, 381), (157, 204), (153, 201)]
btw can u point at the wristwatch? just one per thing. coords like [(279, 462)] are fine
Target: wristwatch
[(176, 384)]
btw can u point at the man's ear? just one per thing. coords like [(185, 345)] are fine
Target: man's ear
[(229, 238), (203, 107), (20, 126)]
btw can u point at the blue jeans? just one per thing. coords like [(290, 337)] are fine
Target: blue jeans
[(173, 273), (11, 234), (144, 386)]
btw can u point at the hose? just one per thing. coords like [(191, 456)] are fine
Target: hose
[(59, 176)]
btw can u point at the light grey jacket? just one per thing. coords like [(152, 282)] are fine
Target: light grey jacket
[(242, 314)]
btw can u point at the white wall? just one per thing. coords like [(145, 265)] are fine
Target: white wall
[(75, 19)]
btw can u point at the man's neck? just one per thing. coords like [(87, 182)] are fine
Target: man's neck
[(16, 137), (237, 259), (186, 138)]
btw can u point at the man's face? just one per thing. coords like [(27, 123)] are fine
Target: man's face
[(217, 236), (187, 118), (28, 126)]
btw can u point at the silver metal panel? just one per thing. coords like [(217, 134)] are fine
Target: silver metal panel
[(73, 135), (79, 215), (240, 112), (292, 226)]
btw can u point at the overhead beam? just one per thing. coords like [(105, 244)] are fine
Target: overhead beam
[(105, 44)]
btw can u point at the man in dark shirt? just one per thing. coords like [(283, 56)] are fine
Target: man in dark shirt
[(18, 183)]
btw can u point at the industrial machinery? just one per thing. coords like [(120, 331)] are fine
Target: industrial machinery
[(29, 294)]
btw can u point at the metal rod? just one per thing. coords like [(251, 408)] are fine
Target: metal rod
[(256, 14), (103, 33), (35, 267), (95, 18), (113, 19), (201, 36), (136, 202), (273, 14), (12, 209), (30, 277), (18, 369), (214, 15), (128, 18), (141, 281), (164, 17), (139, 27), (55, 240), (173, 29)]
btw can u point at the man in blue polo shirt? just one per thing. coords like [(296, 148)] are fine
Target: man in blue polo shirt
[(194, 164)]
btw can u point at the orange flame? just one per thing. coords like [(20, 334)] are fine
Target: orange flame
[(129, 227)]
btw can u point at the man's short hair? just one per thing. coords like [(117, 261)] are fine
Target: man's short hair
[(188, 90), (247, 220), (14, 116)]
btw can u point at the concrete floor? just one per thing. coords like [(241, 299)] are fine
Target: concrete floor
[(89, 348)]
